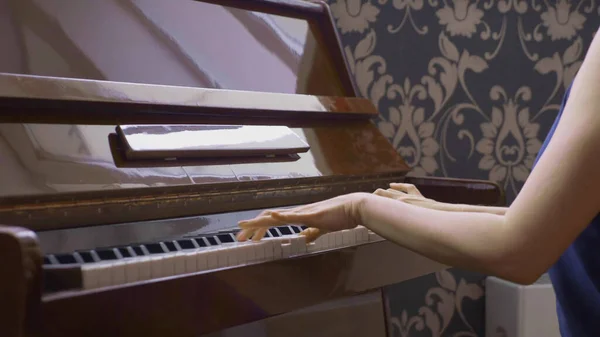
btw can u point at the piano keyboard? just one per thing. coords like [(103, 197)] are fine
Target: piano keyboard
[(140, 262)]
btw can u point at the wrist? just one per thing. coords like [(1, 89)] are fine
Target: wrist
[(361, 208)]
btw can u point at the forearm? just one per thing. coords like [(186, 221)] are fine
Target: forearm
[(470, 240), (442, 206)]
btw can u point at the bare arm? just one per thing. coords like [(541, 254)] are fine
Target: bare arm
[(471, 208), (557, 202), (555, 205), (415, 198), (410, 194)]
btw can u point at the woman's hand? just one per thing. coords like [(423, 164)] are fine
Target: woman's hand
[(342, 212), (407, 193)]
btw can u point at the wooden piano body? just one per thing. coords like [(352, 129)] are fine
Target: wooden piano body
[(77, 216)]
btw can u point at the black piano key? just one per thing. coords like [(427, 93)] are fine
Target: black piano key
[(47, 260), (212, 240), (274, 232), (88, 257), (170, 246), (226, 238), (65, 258), (296, 229), (108, 254), (156, 248), (201, 242), (140, 251), (187, 244), (125, 252), (285, 230), (303, 227)]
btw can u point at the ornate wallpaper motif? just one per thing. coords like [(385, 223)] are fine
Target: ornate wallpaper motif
[(465, 89)]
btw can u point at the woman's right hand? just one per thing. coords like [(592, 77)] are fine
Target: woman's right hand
[(407, 193)]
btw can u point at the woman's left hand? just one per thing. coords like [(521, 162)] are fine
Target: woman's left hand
[(335, 214), (407, 193)]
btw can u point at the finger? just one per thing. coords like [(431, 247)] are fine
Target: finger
[(406, 188), (259, 234), (386, 193), (306, 218), (244, 234), (260, 222), (312, 233), (266, 212)]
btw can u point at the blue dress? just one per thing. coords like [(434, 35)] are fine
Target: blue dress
[(576, 275)]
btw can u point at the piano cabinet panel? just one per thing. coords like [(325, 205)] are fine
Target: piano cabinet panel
[(357, 316), (201, 303), (20, 282), (71, 158)]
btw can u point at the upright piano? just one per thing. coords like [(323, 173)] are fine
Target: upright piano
[(134, 135)]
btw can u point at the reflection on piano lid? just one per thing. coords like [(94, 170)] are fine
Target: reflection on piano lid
[(172, 142)]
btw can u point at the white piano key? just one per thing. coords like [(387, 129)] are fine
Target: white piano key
[(268, 248), (362, 234), (212, 258), (202, 259), (286, 250), (90, 275), (346, 237), (168, 264), (132, 272), (298, 243), (326, 241), (179, 263), (353, 237), (156, 266), (312, 247), (144, 265), (242, 253), (259, 251), (221, 257), (337, 240), (374, 237), (104, 275), (233, 252), (190, 262), (277, 254), (250, 252), (117, 271)]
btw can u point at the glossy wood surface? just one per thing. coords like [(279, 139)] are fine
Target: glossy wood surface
[(65, 174), (205, 302), (20, 284), (35, 99), (250, 45)]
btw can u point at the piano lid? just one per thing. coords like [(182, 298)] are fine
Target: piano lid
[(257, 45), (212, 64)]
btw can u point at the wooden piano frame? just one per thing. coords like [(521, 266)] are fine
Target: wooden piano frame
[(206, 301)]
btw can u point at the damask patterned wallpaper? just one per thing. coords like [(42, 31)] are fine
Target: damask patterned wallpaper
[(465, 89)]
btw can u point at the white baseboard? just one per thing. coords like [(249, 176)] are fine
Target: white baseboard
[(514, 310)]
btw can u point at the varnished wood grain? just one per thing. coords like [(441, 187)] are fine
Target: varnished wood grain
[(20, 284), (38, 99), (188, 306)]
